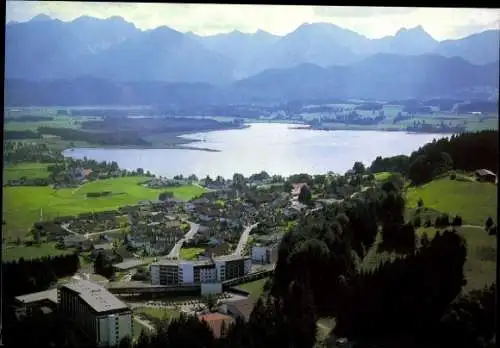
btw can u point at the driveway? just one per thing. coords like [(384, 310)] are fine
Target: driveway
[(244, 239), (176, 250)]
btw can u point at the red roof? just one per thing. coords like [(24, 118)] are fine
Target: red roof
[(215, 321), (86, 172)]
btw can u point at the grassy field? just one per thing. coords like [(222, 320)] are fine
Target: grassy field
[(474, 201), (480, 266), (23, 205), (382, 176), (158, 313), (15, 252), (30, 170), (57, 122), (255, 288), (191, 253)]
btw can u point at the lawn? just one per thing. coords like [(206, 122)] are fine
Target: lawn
[(15, 252), (474, 201), (191, 253), (158, 313), (24, 205), (382, 176), (480, 266), (30, 170), (255, 288)]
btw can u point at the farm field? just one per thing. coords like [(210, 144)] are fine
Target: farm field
[(29, 170), (24, 205), (191, 253), (474, 201), (255, 288), (57, 122), (15, 252)]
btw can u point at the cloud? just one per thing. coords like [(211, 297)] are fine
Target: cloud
[(358, 12), (208, 19)]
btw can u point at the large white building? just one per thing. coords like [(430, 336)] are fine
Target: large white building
[(218, 269), (99, 313), (265, 253)]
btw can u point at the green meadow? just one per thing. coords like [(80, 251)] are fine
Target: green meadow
[(25, 205), (30, 170), (472, 200)]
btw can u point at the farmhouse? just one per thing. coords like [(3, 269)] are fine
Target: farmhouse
[(485, 175)]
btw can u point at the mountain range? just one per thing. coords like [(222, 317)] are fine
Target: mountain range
[(46, 48), (93, 61)]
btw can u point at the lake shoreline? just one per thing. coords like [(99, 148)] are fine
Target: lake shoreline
[(365, 128)]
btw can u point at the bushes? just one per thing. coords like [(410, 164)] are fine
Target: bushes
[(492, 231), (442, 221), (417, 221), (457, 221), (453, 176)]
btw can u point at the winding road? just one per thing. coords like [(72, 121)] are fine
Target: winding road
[(244, 239), (176, 250)]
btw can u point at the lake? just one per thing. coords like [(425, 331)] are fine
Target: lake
[(275, 148)]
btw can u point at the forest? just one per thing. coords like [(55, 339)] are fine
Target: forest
[(465, 151)]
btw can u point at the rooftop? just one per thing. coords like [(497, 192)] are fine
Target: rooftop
[(244, 307), (130, 263), (484, 172), (225, 258), (96, 296), (215, 321), (50, 295)]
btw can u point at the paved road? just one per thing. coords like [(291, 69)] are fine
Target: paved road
[(86, 235), (103, 232), (176, 250), (244, 239), (65, 227)]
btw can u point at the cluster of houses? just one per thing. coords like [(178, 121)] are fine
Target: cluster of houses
[(153, 231)]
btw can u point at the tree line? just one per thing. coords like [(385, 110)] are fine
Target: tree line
[(465, 151)]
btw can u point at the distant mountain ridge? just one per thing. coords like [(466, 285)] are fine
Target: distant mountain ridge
[(45, 48), (379, 77)]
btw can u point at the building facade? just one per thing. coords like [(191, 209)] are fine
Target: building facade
[(102, 316), (174, 272)]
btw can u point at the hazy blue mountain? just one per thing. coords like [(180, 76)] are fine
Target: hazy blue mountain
[(49, 48), (413, 41), (241, 48), (114, 49), (162, 54), (379, 77), (111, 48), (481, 48)]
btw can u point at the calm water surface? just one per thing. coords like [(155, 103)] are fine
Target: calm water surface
[(274, 148)]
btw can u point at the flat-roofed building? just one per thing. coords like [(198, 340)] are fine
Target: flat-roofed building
[(99, 313), (27, 303), (180, 272)]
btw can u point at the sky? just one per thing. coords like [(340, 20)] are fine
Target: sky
[(210, 19)]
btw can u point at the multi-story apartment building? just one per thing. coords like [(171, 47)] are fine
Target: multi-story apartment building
[(174, 272), (99, 313)]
